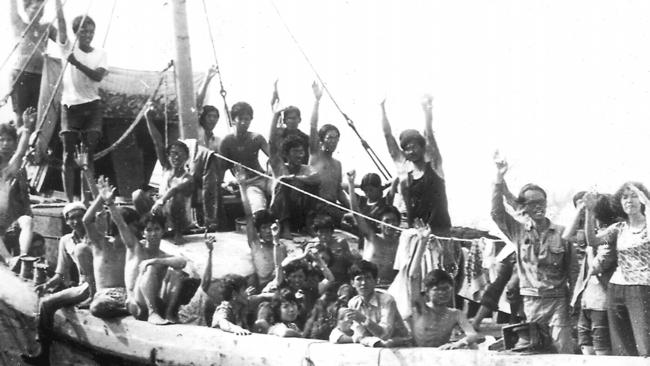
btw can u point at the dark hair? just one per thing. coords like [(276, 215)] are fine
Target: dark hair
[(322, 132), (76, 22), (283, 295), (262, 217), (362, 267), (411, 135), (323, 221), (435, 278), (521, 199), (241, 108), (295, 266), (232, 283), (605, 210), (204, 113), (9, 130), (619, 194), (180, 144), (578, 196), (290, 142), (291, 109), (153, 218), (130, 216), (392, 210)]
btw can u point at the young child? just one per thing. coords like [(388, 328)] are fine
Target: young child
[(432, 322), (343, 332), (81, 106), (231, 314), (381, 248), (339, 248), (323, 318), (285, 310), (176, 188)]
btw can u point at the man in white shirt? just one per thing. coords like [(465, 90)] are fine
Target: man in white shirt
[(81, 107)]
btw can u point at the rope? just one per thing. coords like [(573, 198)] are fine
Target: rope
[(222, 92), (135, 122), (165, 105), (371, 153), (110, 21), (59, 80), (278, 181), (22, 35)]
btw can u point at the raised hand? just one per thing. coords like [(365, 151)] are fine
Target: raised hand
[(642, 197), (501, 164), (29, 118), (352, 176), (382, 104), (275, 229), (212, 71), (427, 102), (275, 98), (105, 190), (149, 111), (423, 229), (589, 200), (318, 90), (209, 242), (81, 156)]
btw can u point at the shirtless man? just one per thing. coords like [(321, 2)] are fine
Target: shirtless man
[(153, 278), (109, 255), (322, 144), (73, 251)]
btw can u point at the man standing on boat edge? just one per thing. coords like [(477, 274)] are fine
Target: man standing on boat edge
[(543, 260), (419, 158), (81, 106)]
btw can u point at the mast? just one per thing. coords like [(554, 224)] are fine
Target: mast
[(184, 76)]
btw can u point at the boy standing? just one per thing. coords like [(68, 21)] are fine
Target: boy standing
[(81, 107)]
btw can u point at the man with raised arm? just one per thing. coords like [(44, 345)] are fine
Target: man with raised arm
[(418, 160), (322, 144), (544, 260), (147, 267), (28, 66), (288, 205), (81, 106)]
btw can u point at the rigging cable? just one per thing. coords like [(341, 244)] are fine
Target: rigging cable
[(22, 35), (371, 153), (110, 21), (222, 92)]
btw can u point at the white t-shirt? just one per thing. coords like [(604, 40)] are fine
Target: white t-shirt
[(77, 87)]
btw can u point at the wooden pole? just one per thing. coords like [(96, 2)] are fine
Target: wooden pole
[(184, 75)]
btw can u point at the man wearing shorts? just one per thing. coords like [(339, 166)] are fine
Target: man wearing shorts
[(81, 107)]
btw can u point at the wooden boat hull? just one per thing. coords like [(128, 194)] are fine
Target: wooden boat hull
[(137, 342)]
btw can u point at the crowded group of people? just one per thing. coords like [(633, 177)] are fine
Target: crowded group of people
[(324, 289)]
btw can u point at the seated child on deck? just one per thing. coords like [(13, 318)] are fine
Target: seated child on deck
[(231, 314), (285, 311), (432, 322), (343, 332), (339, 248), (323, 317)]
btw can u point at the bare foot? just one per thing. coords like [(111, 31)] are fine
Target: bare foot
[(172, 319), (156, 319)]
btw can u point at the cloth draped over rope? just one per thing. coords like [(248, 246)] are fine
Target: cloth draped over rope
[(123, 92)]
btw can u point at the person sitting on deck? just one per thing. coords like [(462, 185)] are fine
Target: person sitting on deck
[(339, 248), (290, 206), (377, 322), (154, 279), (15, 209), (544, 260), (202, 305), (28, 65), (231, 315), (176, 188), (431, 321), (381, 248), (290, 120), (418, 157), (322, 144), (109, 256), (244, 147), (285, 308), (74, 255), (81, 106)]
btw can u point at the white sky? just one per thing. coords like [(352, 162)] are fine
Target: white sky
[(560, 87)]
